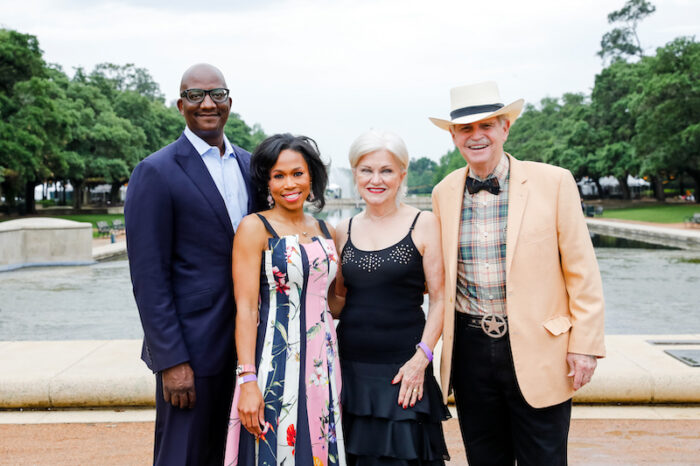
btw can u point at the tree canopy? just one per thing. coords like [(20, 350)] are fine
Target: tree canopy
[(88, 129)]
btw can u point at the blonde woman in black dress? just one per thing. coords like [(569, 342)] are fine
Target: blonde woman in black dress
[(389, 252)]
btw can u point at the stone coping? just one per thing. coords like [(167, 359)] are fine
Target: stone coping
[(658, 234), (42, 223), (109, 373), (108, 251)]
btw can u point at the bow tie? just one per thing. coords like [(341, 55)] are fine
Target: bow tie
[(490, 185)]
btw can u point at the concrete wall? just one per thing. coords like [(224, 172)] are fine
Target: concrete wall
[(44, 241)]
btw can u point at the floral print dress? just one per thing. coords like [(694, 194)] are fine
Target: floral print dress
[(297, 360)]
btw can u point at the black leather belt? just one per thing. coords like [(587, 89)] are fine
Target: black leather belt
[(492, 325)]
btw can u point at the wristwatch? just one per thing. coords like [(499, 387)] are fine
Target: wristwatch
[(243, 368)]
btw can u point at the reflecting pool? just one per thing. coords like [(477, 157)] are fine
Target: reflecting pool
[(647, 291)]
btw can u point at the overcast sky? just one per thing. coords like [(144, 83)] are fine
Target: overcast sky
[(332, 69)]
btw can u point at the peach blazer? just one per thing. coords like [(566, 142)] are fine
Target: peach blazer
[(554, 295)]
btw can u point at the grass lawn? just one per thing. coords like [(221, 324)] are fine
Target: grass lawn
[(93, 218), (672, 213)]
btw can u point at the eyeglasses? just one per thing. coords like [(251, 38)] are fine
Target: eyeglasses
[(220, 94)]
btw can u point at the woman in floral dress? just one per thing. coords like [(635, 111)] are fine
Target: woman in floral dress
[(287, 398)]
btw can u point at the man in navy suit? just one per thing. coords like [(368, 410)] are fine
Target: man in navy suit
[(183, 205)]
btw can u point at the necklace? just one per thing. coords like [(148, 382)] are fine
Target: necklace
[(305, 233)]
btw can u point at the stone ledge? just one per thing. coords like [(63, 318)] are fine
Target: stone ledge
[(109, 373)]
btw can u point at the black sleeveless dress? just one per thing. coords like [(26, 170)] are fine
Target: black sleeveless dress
[(380, 326)]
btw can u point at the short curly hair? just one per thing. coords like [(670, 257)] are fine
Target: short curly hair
[(265, 157)]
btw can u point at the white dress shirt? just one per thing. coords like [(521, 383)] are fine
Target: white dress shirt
[(226, 174)]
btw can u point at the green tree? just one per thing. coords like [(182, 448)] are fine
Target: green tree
[(420, 175), (106, 146), (20, 59), (451, 161), (623, 41), (559, 132), (667, 109), (113, 79), (239, 133), (614, 122), (90, 129)]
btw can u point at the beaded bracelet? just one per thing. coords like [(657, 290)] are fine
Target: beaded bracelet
[(426, 350)]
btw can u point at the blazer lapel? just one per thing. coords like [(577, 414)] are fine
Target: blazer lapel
[(193, 165), (517, 200), (244, 165), (453, 212)]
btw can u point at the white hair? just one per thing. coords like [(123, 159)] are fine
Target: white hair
[(374, 140)]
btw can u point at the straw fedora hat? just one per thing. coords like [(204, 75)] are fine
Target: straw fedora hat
[(476, 102)]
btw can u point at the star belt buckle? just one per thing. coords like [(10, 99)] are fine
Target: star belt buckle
[(494, 326)]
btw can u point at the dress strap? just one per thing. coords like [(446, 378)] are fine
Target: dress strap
[(350, 226), (268, 227), (324, 229), (414, 221)]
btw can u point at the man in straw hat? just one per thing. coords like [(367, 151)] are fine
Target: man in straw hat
[(523, 297)]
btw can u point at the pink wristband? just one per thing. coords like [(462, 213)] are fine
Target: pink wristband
[(247, 378), (426, 350)]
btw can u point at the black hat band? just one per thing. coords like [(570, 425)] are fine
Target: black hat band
[(460, 112)]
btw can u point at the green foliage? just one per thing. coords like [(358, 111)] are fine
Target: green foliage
[(667, 105), (90, 129), (673, 213), (20, 58), (420, 175), (623, 41), (559, 133), (449, 162), (239, 133)]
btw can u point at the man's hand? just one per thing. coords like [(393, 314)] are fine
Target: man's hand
[(178, 386), (581, 368)]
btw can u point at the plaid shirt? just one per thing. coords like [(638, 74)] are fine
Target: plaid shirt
[(481, 263)]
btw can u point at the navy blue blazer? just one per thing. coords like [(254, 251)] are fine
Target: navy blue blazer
[(179, 243)]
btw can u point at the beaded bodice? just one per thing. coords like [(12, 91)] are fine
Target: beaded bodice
[(383, 302)]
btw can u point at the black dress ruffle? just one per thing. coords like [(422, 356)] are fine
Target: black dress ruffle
[(378, 430)]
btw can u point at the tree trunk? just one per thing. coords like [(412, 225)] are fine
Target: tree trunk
[(695, 175), (658, 186), (77, 194), (599, 187), (624, 187), (114, 193), (29, 202)]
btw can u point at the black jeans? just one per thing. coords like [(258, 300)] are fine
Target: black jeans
[(498, 426)]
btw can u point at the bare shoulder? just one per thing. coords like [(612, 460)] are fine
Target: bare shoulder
[(428, 226), (427, 219), (343, 224), (342, 228), (251, 228)]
